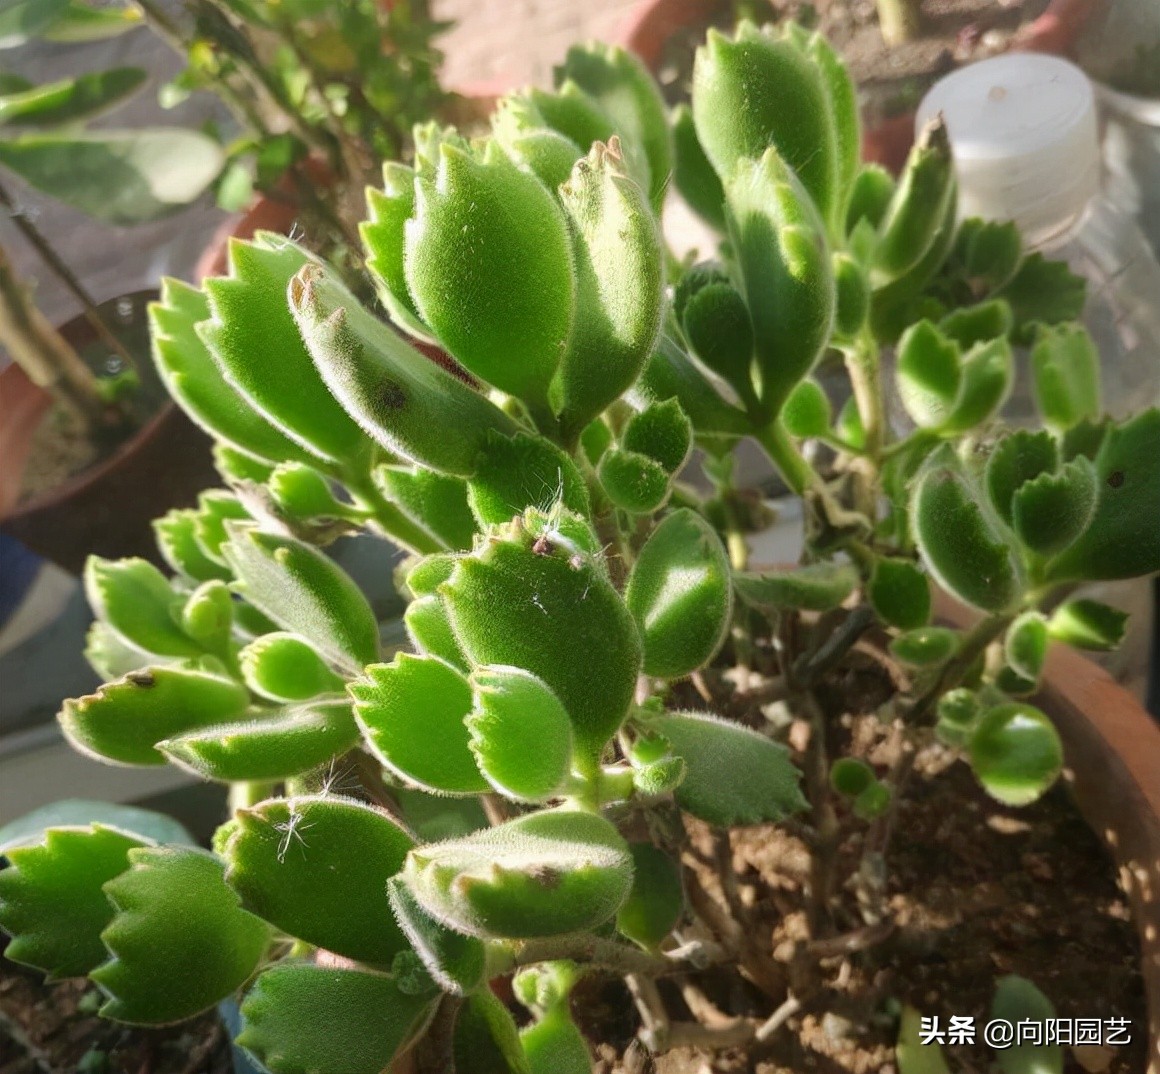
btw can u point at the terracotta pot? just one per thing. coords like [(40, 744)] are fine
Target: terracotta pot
[(1112, 751), (107, 509)]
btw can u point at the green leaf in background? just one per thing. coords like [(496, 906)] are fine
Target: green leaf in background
[(807, 411), (928, 373), (70, 100), (521, 735), (1088, 624), (619, 266), (135, 600), (302, 1017), (1016, 1001), (1016, 753), (519, 128), (851, 776), (870, 194), (717, 325), (693, 173), (662, 432), (814, 587), (251, 333), (542, 874), (117, 176), (195, 380), (554, 1045), (24, 20), (455, 961), (304, 591), (620, 86), (316, 867), (1018, 458), (403, 400), (1065, 368), (273, 747), (215, 508), (988, 251), (657, 900), (123, 720), (1052, 510), (925, 646), (486, 1040), (1042, 292), (179, 942), (51, 902), (411, 712), (912, 1055), (110, 656), (680, 595), (542, 605), (734, 775), (971, 325), (960, 544), (286, 667), (851, 296), (81, 812), (489, 264), (82, 22)]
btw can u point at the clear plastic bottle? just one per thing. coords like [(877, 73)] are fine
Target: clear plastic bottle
[(1024, 132)]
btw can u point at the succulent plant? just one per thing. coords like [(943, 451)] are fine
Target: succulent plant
[(573, 599)]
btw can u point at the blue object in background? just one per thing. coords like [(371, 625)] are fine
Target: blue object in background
[(18, 570)]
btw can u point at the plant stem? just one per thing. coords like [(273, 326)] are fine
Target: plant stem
[(594, 951), (899, 20), (388, 519), (797, 473), (246, 795), (66, 276), (45, 355), (864, 367), (974, 644)]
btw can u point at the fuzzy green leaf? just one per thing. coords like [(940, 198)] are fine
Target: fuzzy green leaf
[(429, 628), (486, 1040), (214, 509), (717, 326), (971, 325), (734, 775), (785, 270), (662, 432), (405, 402), (455, 961), (961, 546), (851, 776), (489, 264), (671, 374), (195, 380), (524, 471), (680, 595), (1052, 510), (316, 867), (1025, 645), (273, 747), (301, 1018), (552, 612), (619, 263), (1018, 458), (1017, 1001), (814, 587), (632, 481), (124, 720), (51, 902), (436, 502), (135, 600), (411, 712), (1015, 753), (925, 646), (1123, 537), (252, 331), (306, 592), (988, 251), (657, 900), (521, 735), (757, 91), (555, 1046), (618, 84), (987, 375), (179, 942), (1043, 291), (1088, 624), (286, 667), (929, 374), (176, 534), (900, 593), (542, 874)]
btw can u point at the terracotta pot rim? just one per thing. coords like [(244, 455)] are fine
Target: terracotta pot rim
[(100, 470)]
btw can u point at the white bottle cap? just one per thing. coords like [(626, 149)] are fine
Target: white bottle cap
[(1023, 130)]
